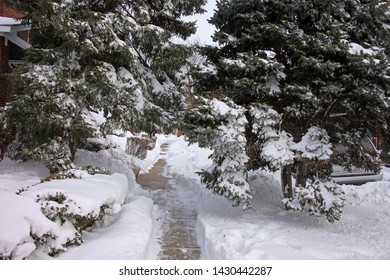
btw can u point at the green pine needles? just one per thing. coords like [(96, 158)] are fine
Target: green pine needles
[(95, 68), (307, 75)]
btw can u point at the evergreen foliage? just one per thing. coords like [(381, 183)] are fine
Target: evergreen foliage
[(322, 67), (96, 67), (223, 126)]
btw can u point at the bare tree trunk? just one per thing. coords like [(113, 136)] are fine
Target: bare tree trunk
[(302, 173), (286, 179)]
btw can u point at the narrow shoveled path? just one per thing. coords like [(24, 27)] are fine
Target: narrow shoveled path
[(177, 212)]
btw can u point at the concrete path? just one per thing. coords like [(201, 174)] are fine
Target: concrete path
[(177, 212)]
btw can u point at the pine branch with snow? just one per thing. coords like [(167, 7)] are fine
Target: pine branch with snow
[(97, 67), (318, 198), (220, 125)]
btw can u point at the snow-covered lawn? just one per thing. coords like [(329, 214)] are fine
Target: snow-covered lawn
[(128, 229)]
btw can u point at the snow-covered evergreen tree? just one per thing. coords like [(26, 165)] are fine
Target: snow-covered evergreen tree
[(96, 67), (223, 128), (322, 66)]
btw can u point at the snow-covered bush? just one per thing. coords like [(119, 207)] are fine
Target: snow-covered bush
[(25, 227), (318, 198), (138, 145), (52, 215)]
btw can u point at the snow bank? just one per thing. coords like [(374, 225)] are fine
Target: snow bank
[(270, 232), (43, 218), (46, 215), (85, 196), (20, 218), (126, 238), (117, 161)]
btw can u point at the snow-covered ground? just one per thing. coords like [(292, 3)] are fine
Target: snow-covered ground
[(268, 231), (265, 232)]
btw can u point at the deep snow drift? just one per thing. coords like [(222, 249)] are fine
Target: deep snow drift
[(128, 232)]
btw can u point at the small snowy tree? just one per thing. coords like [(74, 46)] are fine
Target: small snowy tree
[(96, 67), (319, 196), (223, 129)]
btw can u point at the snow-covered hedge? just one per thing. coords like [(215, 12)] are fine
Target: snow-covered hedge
[(53, 214)]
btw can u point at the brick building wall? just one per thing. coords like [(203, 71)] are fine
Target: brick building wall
[(5, 84), (5, 68), (9, 12)]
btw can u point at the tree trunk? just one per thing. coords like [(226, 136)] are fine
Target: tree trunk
[(286, 179), (302, 173)]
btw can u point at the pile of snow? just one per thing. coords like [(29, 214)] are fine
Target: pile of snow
[(126, 237), (20, 218), (38, 219), (116, 160)]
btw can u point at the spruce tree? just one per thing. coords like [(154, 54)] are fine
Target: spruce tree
[(321, 66), (96, 67)]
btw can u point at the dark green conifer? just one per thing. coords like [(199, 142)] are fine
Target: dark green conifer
[(322, 66), (96, 67)]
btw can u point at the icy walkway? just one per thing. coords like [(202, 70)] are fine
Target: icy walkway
[(178, 213)]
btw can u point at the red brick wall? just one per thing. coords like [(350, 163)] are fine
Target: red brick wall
[(25, 35), (5, 84), (9, 12)]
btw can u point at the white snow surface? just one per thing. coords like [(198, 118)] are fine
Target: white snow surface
[(267, 231), (314, 145)]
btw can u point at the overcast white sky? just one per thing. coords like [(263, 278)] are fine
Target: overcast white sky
[(205, 30)]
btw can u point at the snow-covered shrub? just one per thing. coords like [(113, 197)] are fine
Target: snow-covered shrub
[(318, 198), (139, 145), (77, 173), (60, 208), (25, 228), (52, 215)]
